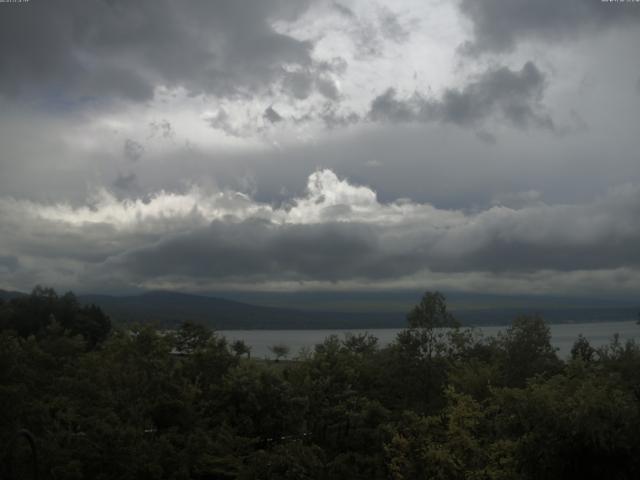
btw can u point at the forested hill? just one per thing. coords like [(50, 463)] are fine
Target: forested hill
[(170, 309), (8, 295), (272, 311)]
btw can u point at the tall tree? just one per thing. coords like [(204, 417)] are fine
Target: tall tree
[(431, 312)]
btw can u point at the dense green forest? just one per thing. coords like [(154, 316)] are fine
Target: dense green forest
[(438, 403)]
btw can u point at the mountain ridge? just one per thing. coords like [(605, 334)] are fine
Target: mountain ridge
[(169, 308)]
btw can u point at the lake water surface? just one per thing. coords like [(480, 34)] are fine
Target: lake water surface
[(562, 336)]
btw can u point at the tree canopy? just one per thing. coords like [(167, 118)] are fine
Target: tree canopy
[(438, 402)]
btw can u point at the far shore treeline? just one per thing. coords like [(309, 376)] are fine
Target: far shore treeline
[(100, 401), (340, 310)]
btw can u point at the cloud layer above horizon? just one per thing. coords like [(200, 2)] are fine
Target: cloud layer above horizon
[(336, 233), (278, 144)]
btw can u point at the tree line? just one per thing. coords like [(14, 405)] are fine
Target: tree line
[(440, 402)]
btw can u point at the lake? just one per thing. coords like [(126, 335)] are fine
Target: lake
[(562, 336)]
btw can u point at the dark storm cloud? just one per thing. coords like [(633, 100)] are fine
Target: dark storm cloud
[(103, 48), (513, 95), (498, 25), (258, 249)]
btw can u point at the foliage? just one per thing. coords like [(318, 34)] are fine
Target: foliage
[(32, 314), (441, 403), (240, 348), (526, 351), (190, 337), (431, 312), (280, 350)]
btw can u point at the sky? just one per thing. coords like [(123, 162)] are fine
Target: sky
[(468, 145)]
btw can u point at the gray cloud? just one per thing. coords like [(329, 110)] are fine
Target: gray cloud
[(335, 232), (87, 49), (388, 107), (513, 95), (391, 27), (271, 115), (498, 26), (333, 119), (517, 199), (343, 10), (132, 150), (9, 263), (498, 240), (298, 84), (258, 251), (222, 121), (302, 84), (486, 137), (327, 87), (161, 129), (78, 205), (330, 116), (370, 33), (126, 183)]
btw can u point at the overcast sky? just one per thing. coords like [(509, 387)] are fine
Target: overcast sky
[(473, 145)]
